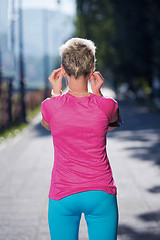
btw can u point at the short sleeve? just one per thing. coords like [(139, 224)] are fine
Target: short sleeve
[(44, 111), (111, 107)]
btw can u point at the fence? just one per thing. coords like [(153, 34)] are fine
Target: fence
[(10, 106)]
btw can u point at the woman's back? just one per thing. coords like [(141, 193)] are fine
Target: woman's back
[(82, 180), (79, 127)]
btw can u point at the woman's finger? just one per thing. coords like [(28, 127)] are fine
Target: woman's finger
[(57, 72), (92, 78), (60, 75), (98, 76), (54, 74), (58, 69)]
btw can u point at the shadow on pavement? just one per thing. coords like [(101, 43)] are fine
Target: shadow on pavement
[(40, 130), (140, 126), (137, 117), (130, 233), (151, 216), (155, 189), (148, 153)]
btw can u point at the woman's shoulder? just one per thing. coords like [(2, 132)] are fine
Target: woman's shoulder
[(108, 105), (109, 99), (49, 100), (106, 100), (52, 102)]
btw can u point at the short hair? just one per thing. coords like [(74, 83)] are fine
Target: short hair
[(78, 56)]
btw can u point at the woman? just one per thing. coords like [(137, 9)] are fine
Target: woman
[(81, 180)]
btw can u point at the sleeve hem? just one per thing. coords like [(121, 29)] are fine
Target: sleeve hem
[(43, 112), (44, 118), (114, 111)]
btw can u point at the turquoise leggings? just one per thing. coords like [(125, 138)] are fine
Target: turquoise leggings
[(100, 211)]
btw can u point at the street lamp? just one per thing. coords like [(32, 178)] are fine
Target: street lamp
[(13, 17), (45, 48), (0, 70), (21, 65)]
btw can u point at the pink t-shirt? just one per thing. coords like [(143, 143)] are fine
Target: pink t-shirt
[(79, 127)]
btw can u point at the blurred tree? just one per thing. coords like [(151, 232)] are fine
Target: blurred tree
[(155, 28), (95, 21), (126, 34), (134, 41)]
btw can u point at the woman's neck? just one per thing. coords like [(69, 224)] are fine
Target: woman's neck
[(79, 85)]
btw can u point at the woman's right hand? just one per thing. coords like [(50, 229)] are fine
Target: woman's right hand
[(96, 85), (56, 80)]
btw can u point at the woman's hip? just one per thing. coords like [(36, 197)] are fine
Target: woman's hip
[(88, 202)]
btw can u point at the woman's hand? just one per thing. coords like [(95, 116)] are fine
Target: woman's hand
[(96, 85), (55, 80)]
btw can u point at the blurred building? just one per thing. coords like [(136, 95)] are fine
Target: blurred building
[(6, 58), (4, 22), (60, 27)]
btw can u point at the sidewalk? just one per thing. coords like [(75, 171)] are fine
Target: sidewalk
[(134, 152), (133, 149)]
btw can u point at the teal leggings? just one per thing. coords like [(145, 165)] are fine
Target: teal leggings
[(100, 211)]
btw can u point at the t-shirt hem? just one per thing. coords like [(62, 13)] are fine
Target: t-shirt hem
[(109, 190)]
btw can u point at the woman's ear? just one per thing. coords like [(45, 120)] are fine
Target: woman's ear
[(89, 76), (63, 71), (93, 68)]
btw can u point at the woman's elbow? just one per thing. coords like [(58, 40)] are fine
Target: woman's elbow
[(111, 128), (45, 126)]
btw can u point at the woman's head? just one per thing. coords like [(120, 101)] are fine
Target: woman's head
[(78, 56)]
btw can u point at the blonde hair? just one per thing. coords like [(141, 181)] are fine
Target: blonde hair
[(78, 56)]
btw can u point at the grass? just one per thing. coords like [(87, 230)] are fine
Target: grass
[(15, 128), (31, 113)]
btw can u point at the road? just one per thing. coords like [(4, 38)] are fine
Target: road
[(134, 152)]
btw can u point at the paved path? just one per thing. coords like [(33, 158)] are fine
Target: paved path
[(134, 152)]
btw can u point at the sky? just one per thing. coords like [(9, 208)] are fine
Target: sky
[(66, 6)]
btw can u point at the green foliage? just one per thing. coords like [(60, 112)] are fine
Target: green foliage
[(127, 37), (16, 127), (12, 130), (33, 105), (95, 21)]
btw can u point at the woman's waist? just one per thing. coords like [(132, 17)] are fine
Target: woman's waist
[(83, 174)]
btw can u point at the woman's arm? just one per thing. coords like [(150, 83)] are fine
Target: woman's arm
[(114, 119), (45, 124), (116, 115)]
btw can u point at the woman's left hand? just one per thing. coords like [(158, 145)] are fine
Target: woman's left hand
[(55, 80), (96, 85)]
